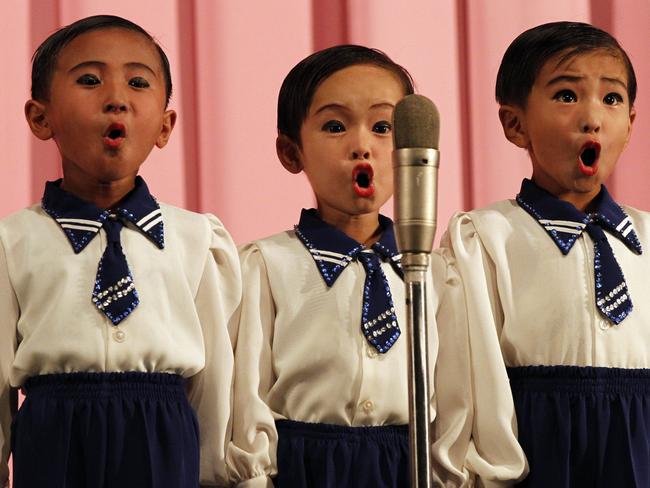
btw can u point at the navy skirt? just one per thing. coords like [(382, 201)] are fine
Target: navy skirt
[(105, 430), (583, 426), (335, 456)]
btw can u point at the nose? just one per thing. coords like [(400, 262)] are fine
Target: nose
[(116, 100), (591, 119), (115, 106), (361, 145), (360, 154)]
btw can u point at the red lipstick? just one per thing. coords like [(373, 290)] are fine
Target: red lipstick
[(589, 157), (362, 180), (114, 135)]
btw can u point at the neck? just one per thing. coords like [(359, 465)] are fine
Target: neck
[(103, 194), (581, 201), (363, 228)]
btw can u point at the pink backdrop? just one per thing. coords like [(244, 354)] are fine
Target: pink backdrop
[(228, 61), (229, 58)]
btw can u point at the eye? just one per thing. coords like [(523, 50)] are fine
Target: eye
[(565, 96), (139, 82), (88, 80), (382, 127), (613, 98), (333, 127)]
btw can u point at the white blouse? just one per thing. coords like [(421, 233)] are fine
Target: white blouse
[(189, 297), (301, 355), (526, 304)]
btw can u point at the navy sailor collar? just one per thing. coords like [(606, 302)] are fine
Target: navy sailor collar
[(565, 224), (332, 250), (81, 220)]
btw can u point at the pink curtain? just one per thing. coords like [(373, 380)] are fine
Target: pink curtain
[(228, 61)]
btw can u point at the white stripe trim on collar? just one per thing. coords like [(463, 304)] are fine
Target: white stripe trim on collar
[(342, 262), (623, 223), (330, 253), (79, 221), (146, 218), (566, 230), (566, 223), (81, 227), (152, 223)]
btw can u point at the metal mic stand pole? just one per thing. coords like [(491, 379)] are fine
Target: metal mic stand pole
[(416, 132), (415, 267)]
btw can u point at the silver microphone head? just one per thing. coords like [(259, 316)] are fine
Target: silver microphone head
[(416, 123), (416, 132)]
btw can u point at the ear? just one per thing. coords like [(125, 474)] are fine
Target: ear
[(289, 154), (35, 113), (513, 122), (629, 127), (168, 123)]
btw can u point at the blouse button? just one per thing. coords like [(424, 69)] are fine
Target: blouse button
[(372, 352), (119, 335), (603, 324), (368, 406)]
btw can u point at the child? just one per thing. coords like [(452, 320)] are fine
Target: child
[(557, 279), (115, 308), (319, 349)]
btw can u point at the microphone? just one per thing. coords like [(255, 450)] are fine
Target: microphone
[(416, 132)]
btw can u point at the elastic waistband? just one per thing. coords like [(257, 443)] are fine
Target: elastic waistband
[(331, 431), (578, 379), (104, 385)]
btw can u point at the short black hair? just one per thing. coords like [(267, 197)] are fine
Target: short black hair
[(525, 57), (298, 88), (46, 55)]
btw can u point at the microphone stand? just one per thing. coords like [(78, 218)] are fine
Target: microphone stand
[(415, 210), (415, 266)]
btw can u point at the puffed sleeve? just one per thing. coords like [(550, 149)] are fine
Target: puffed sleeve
[(217, 304), (452, 425), (9, 313), (251, 454), (475, 430)]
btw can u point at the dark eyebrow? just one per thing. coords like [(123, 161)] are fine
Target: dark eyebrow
[(561, 78), (574, 79), (133, 64), (338, 106), (331, 106), (383, 105), (616, 81)]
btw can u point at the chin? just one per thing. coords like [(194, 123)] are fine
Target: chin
[(365, 204), (108, 178), (367, 211)]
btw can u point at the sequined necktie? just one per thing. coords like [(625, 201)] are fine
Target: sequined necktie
[(378, 319), (612, 296), (114, 293)]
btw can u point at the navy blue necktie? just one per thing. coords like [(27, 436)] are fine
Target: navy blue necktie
[(612, 296), (114, 293), (378, 319)]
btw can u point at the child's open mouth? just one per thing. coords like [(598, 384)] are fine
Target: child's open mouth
[(588, 160), (114, 135), (362, 180)]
